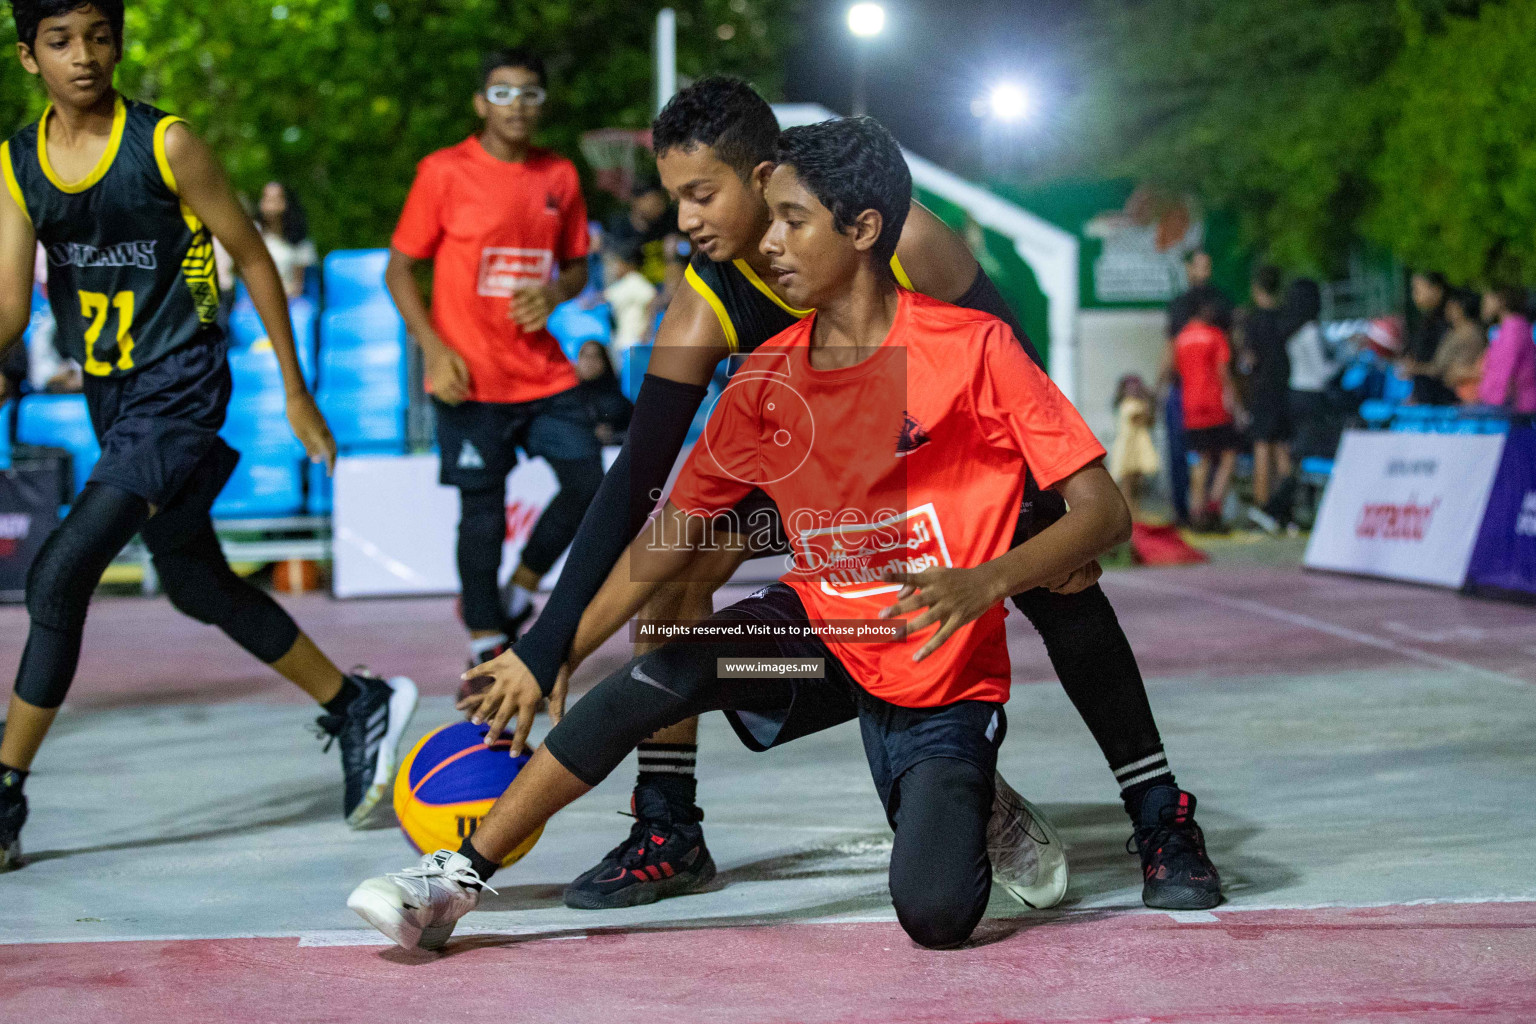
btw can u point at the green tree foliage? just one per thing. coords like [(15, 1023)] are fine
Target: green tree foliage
[(1322, 123), (340, 98), (1456, 178)]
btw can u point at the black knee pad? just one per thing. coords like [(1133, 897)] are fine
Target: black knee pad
[(59, 586), (201, 585), (72, 559)]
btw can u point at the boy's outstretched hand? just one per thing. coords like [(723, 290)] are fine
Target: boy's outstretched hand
[(952, 597), (310, 428), (513, 692)]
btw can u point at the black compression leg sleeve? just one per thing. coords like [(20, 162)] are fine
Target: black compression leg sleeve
[(983, 295), (664, 410), (482, 531), (59, 586), (579, 480), (200, 584), (940, 876), (659, 689), (1097, 668)]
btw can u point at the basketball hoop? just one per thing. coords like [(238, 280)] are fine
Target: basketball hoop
[(615, 155)]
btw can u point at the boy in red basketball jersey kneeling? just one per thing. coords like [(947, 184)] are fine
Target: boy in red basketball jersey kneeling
[(893, 431)]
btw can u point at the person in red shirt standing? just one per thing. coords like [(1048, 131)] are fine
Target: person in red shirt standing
[(893, 432), (505, 227), (1203, 359)]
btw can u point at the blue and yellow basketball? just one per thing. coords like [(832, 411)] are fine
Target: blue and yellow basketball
[(449, 781)]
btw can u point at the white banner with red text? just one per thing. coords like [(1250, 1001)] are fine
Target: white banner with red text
[(1405, 506)]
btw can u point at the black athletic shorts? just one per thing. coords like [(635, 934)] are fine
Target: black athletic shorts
[(1213, 440), (159, 427), (479, 441), (895, 737)]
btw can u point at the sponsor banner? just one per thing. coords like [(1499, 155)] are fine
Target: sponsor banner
[(1405, 506), (395, 528), (1505, 554), (29, 510)]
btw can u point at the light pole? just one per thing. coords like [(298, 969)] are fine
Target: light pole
[(865, 21)]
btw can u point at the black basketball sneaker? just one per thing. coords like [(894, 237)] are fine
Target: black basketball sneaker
[(1176, 873), (13, 815), (369, 732), (664, 856)]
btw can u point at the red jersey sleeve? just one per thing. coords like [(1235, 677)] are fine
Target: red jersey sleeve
[(715, 476), (421, 223), (574, 241), (1020, 408)]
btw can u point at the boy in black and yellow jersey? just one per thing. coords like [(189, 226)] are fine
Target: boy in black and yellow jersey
[(715, 145), (126, 202)]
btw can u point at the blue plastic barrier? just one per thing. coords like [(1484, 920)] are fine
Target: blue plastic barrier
[(573, 327), (360, 420), (355, 277), (320, 489), (267, 482), (632, 366), (363, 348), (60, 421), (5, 435)]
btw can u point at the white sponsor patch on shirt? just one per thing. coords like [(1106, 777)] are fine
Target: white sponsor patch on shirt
[(503, 270)]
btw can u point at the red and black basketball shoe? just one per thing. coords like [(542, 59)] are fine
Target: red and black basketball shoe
[(664, 856), (1176, 873)]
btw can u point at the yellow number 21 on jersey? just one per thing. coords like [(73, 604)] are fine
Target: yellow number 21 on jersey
[(95, 305)]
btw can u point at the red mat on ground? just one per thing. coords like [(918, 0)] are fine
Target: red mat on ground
[(1366, 966), (1162, 545)]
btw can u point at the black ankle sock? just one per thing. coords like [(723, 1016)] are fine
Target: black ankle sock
[(484, 868), (11, 780), (337, 705), (668, 767)]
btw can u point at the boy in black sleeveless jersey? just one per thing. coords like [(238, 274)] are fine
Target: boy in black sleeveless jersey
[(126, 201), (714, 145)]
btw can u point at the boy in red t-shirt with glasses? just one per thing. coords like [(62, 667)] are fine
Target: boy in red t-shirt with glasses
[(893, 432), (505, 227)]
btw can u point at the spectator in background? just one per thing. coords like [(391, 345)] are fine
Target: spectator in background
[(1509, 371), (1428, 292), (1133, 456), (1203, 360), (644, 227), (599, 390), (1199, 290), (1313, 368), (1269, 375), (1458, 364), (285, 229), (628, 294)]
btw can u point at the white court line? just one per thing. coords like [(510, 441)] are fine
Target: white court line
[(1341, 632)]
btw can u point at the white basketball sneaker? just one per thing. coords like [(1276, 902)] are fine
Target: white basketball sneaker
[(418, 907), (1027, 856)]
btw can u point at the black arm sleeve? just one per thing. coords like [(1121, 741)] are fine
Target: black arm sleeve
[(664, 410), (983, 295)]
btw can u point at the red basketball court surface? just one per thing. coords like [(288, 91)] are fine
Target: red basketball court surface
[(1362, 752)]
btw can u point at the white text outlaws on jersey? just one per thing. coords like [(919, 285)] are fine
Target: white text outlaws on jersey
[(123, 254)]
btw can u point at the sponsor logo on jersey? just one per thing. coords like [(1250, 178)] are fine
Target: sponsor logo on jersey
[(469, 456), (913, 436), (502, 271), (551, 204), (851, 560), (140, 255)]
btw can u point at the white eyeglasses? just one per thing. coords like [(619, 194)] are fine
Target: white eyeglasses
[(506, 95)]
